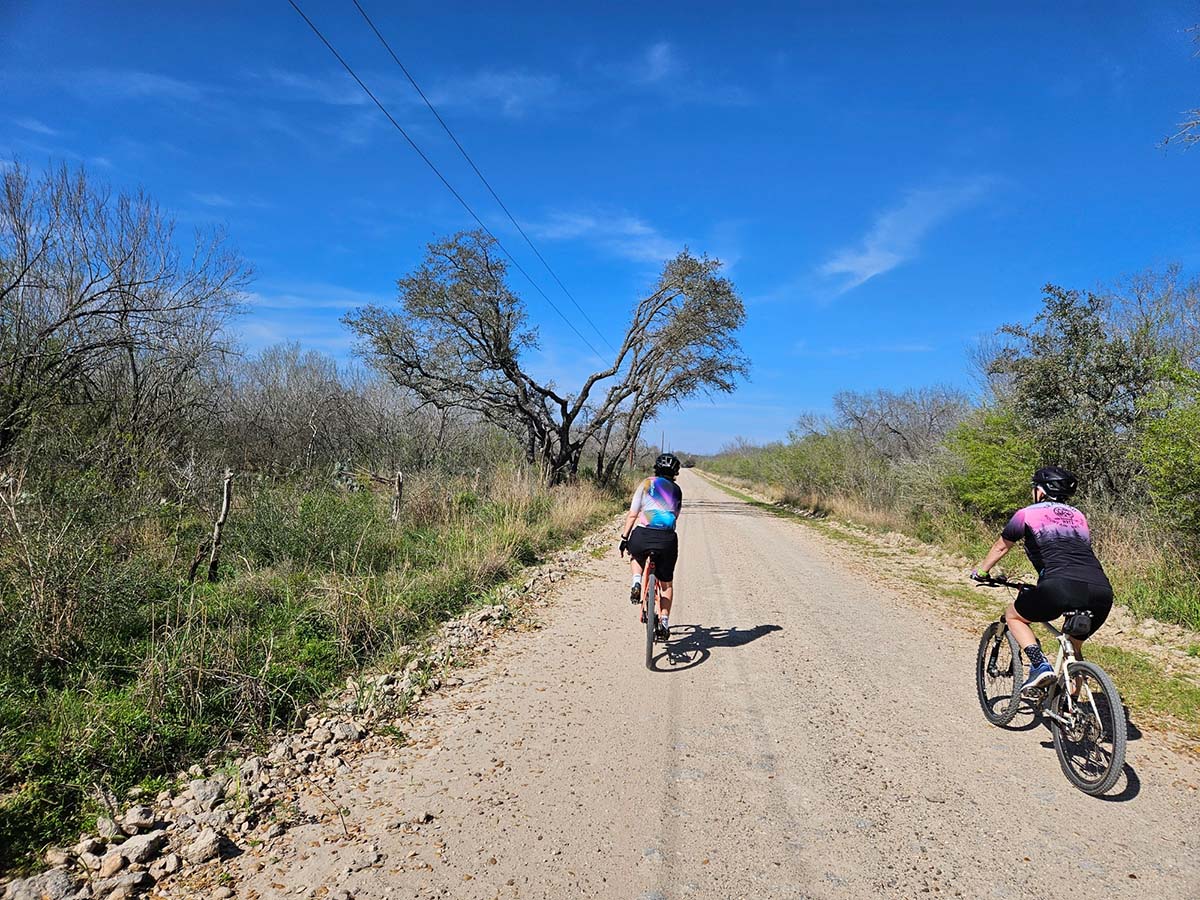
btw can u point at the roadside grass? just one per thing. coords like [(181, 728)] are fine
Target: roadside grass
[(1154, 696), (115, 672), (1166, 701)]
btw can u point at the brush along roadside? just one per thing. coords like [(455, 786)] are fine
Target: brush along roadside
[(172, 843)]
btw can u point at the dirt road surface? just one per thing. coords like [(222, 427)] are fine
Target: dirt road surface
[(807, 734)]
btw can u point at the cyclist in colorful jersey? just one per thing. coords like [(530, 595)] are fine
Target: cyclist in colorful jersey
[(1059, 544), (650, 526)]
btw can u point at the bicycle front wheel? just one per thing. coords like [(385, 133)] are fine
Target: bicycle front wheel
[(651, 621), (998, 674), (1090, 741)]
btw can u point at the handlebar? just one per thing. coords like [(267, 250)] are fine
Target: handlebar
[(998, 581)]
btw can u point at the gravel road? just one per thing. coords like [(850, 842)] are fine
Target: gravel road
[(806, 734)]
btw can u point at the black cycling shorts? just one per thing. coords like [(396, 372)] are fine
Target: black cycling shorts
[(1054, 597), (663, 542)]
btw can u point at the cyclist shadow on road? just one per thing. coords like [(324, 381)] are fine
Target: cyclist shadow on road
[(690, 645)]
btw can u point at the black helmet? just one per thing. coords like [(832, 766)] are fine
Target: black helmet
[(666, 465), (1057, 482)]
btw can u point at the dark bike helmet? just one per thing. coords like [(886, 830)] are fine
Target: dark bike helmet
[(1057, 482), (667, 465)]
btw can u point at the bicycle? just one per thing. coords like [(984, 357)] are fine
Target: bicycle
[(1086, 715), (650, 607)]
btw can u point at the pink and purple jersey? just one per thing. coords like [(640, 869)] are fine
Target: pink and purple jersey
[(657, 502), (1057, 541)]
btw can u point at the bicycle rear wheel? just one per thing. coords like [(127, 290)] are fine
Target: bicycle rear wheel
[(1091, 746), (998, 674), (651, 620)]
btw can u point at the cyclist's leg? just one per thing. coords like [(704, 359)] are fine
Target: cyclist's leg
[(667, 596), (635, 567), (1019, 626), (665, 568), (1038, 604), (638, 554)]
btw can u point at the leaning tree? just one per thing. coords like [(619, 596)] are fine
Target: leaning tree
[(460, 338)]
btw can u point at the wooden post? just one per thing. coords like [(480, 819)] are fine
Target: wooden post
[(397, 495), (214, 556)]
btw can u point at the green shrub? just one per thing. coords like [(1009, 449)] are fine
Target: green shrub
[(996, 456), (1170, 452)]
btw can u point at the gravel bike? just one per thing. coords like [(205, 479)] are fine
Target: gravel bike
[(650, 600), (1085, 712)]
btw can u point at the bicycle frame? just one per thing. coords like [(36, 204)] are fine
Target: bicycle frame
[(1066, 656), (647, 571)]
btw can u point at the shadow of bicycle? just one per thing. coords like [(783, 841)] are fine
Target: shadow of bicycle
[(691, 645)]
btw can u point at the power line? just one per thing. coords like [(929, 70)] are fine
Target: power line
[(475, 168), (442, 178)]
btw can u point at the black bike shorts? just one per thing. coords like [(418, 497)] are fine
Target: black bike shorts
[(1054, 597), (663, 543)]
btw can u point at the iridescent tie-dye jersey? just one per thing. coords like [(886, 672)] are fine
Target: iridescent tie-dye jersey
[(1057, 541), (657, 501)]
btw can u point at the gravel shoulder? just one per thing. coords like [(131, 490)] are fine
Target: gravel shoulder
[(809, 732)]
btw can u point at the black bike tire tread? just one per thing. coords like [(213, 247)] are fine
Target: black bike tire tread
[(651, 621), (1119, 729), (1014, 704)]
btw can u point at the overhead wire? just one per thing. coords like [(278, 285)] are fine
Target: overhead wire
[(461, 149), (442, 178)]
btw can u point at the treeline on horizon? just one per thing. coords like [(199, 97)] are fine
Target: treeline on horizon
[(1104, 383)]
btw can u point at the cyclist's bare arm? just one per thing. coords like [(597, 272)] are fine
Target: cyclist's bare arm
[(629, 523), (999, 549)]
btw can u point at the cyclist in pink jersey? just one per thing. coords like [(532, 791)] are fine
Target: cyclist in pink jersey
[(650, 527), (1059, 544)]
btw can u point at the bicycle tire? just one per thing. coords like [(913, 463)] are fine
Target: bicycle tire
[(1105, 721), (995, 689), (651, 620)]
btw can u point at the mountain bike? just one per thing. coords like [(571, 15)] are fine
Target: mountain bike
[(1085, 712)]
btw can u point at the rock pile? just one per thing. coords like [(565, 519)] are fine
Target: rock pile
[(212, 812)]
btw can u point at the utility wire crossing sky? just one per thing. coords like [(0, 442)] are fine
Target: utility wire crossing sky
[(884, 186)]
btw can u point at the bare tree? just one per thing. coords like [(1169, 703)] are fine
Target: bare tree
[(1159, 307), (901, 426), (459, 340), (98, 307), (1188, 130)]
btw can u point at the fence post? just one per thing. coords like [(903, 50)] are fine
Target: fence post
[(397, 495), (214, 556)]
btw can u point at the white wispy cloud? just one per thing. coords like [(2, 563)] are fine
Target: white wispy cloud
[(659, 62), (334, 89), (220, 201), (313, 332), (511, 93), (36, 126), (855, 351), (621, 234), (506, 92), (896, 234), (661, 68), (107, 84), (312, 295)]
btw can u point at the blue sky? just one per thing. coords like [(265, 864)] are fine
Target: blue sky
[(886, 181)]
